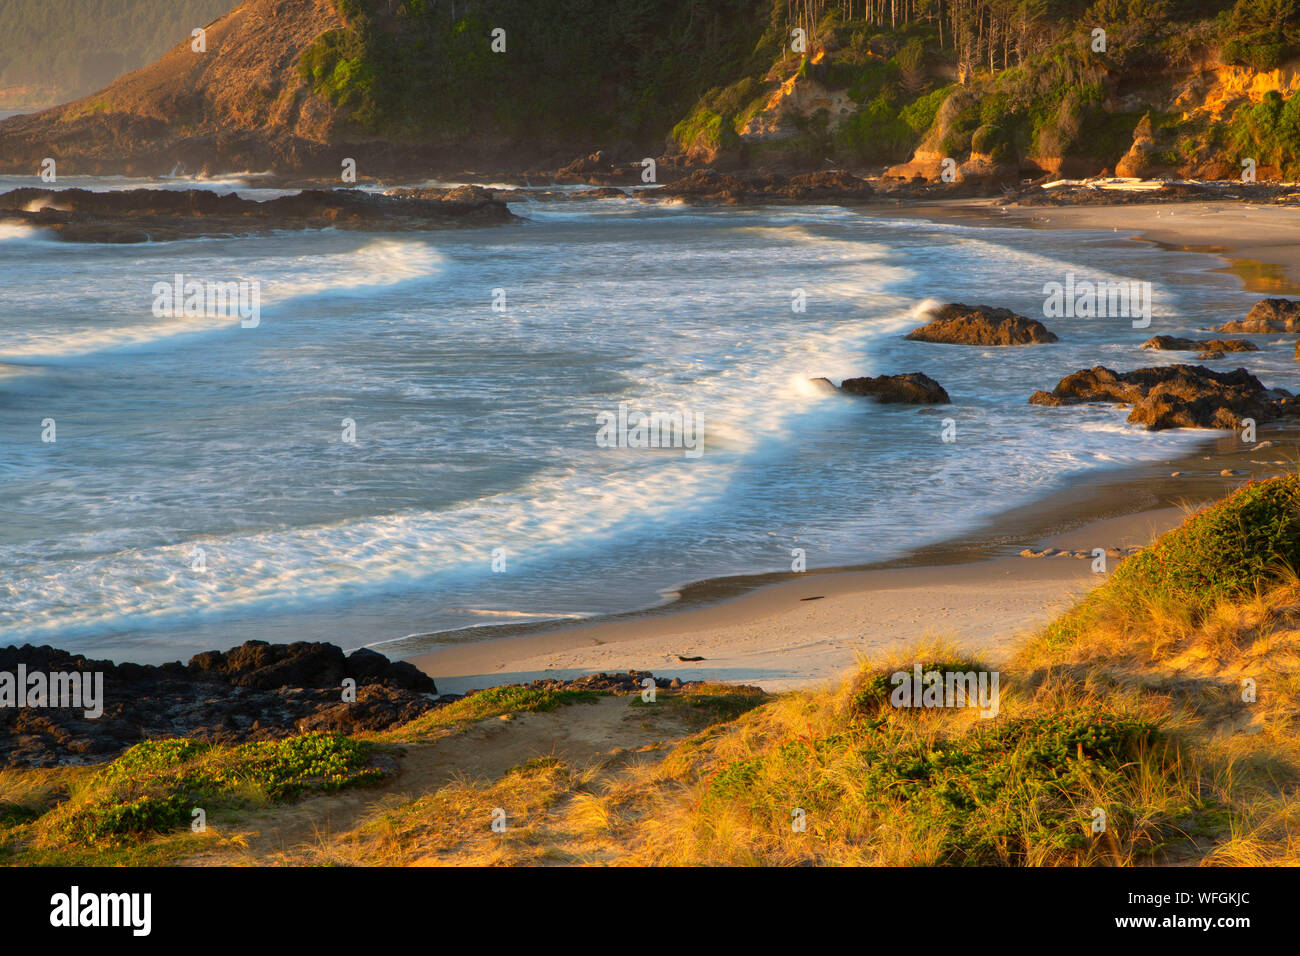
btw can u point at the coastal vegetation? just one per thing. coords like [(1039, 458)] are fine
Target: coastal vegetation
[(1153, 722), (1009, 88), (1011, 82)]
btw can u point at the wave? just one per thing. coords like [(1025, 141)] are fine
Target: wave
[(753, 400), (381, 263), (14, 232)]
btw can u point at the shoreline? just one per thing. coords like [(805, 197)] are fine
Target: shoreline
[(975, 589), (1132, 504)]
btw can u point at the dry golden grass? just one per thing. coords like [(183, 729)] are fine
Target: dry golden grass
[(1246, 753), (1173, 713)]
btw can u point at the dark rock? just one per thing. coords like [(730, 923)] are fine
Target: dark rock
[(1171, 343), (595, 168), (709, 187), (143, 215), (913, 388), (1268, 315), (366, 665), (957, 324), (376, 708), (257, 691), (1177, 396)]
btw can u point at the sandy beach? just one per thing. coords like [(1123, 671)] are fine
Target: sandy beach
[(1259, 242), (805, 632), (789, 631)]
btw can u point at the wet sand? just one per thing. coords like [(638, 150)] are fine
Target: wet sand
[(796, 630)]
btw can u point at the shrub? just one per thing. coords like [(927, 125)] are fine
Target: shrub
[(996, 793), (1230, 549), (154, 786), (1226, 550)]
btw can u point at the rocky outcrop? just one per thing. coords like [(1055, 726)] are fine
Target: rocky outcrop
[(1145, 159), (257, 691), (144, 215), (784, 114), (709, 187), (957, 324), (594, 168), (1207, 349), (1177, 396), (911, 388), (1268, 315)]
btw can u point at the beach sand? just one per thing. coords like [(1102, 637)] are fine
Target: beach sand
[(791, 631), (808, 631)]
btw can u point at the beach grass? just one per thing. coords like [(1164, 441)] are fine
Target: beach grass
[(160, 787), (485, 705), (1154, 722)]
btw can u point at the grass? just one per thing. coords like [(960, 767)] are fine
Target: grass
[(155, 788), (1155, 722), (707, 703), (484, 705), (841, 777), (1223, 552)]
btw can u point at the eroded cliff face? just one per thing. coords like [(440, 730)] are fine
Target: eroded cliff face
[(238, 104), (800, 97), (1197, 105)]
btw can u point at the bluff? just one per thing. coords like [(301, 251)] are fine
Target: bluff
[(995, 93)]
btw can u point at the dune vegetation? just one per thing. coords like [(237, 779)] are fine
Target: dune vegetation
[(1154, 722)]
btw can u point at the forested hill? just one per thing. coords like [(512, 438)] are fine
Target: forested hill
[(1002, 88), (55, 50)]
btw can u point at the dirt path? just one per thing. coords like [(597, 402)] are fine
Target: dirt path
[(580, 734)]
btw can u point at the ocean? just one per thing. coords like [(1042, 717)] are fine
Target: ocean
[(204, 487)]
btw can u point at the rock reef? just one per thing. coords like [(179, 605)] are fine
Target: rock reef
[(1176, 396), (958, 324), (145, 215), (257, 691), (1268, 315), (911, 388)]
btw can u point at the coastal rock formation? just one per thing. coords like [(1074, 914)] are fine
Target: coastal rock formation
[(912, 388), (1177, 396), (1145, 159), (144, 215), (595, 168), (958, 324), (709, 187), (257, 691), (783, 117), (1268, 315), (1207, 349)]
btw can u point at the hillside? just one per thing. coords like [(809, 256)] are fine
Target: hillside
[(1178, 87)]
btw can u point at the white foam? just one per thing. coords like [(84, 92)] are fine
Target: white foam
[(383, 262)]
